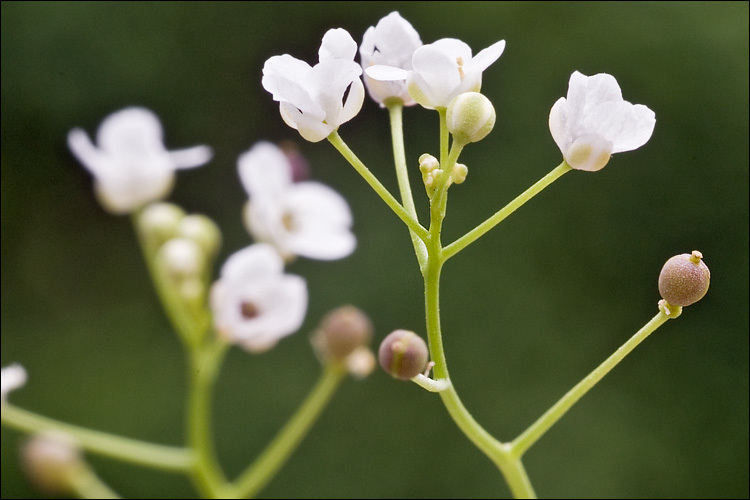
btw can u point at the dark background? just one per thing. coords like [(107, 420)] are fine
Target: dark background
[(528, 310)]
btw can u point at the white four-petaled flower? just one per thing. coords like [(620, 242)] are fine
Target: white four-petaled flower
[(594, 122), (298, 218), (130, 164), (441, 71), (12, 377), (317, 100), (391, 43), (254, 303)]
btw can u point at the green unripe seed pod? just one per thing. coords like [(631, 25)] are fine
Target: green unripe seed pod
[(403, 354), (684, 279)]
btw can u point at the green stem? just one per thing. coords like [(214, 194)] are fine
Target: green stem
[(190, 326), (504, 212), (255, 477), (375, 184), (551, 416), (166, 458), (86, 484), (510, 466), (203, 369), (402, 174)]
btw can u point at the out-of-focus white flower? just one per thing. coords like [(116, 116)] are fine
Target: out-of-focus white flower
[(441, 71), (311, 99), (303, 218), (254, 303), (12, 377), (130, 164), (391, 43), (595, 122)]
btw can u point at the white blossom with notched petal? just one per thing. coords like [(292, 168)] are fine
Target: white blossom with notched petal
[(12, 377), (311, 99), (298, 218), (441, 71), (130, 164), (391, 42), (254, 303), (595, 122)]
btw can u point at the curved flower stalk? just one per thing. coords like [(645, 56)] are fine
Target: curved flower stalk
[(12, 377), (312, 99), (391, 42), (595, 122), (303, 218), (441, 71), (130, 164), (254, 303)]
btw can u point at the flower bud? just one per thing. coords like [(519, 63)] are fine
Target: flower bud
[(428, 163), (403, 354), (159, 221), (181, 257), (52, 460), (470, 117), (203, 231), (684, 279), (459, 173), (341, 332)]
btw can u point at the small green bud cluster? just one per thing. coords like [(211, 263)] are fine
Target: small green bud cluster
[(684, 279), (433, 175), (403, 354), (182, 245)]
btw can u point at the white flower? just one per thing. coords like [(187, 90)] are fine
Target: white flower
[(391, 43), (311, 99), (302, 218), (131, 166), (254, 303), (12, 377), (441, 71), (594, 122)]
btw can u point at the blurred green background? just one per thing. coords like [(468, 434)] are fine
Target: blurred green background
[(528, 310)]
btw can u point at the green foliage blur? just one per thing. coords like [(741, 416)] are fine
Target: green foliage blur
[(528, 310)]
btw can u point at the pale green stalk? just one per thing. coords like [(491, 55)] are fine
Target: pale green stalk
[(402, 174), (167, 458), (255, 477), (501, 214), (203, 368), (86, 484), (190, 325), (542, 425), (375, 184)]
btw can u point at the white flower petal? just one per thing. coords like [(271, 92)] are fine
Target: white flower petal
[(486, 57), (253, 263), (264, 170), (191, 157), (12, 377), (337, 44), (386, 73), (131, 133)]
